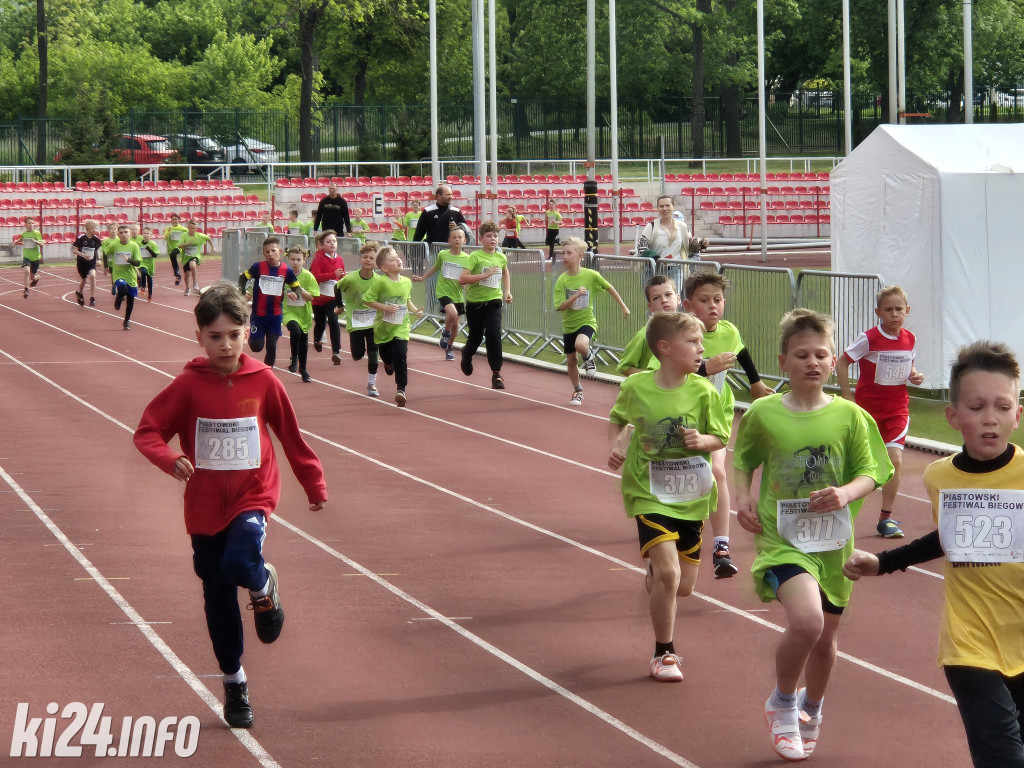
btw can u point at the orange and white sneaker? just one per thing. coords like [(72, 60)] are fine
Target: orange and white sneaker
[(666, 668), (784, 725), (810, 727)]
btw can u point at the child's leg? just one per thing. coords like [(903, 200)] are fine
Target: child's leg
[(28, 275), (890, 489), (451, 320), (334, 329), (823, 656), (357, 343), (399, 361), (573, 369), (319, 322), (666, 583), (220, 597), (293, 343), (271, 357), (492, 335), (991, 708), (129, 305), (303, 348), (474, 328), (805, 623), (173, 256), (720, 520), (257, 337), (92, 283)]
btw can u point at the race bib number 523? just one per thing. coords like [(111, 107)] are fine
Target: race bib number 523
[(982, 526), (227, 443)]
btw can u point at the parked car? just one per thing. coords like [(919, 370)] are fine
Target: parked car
[(196, 150), (140, 149), (250, 153)]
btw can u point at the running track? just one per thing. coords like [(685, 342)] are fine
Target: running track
[(470, 596)]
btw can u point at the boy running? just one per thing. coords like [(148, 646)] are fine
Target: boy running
[(123, 257), (173, 235), (191, 246), (31, 253), (359, 318), (448, 290), (489, 285), (87, 249), (297, 314)]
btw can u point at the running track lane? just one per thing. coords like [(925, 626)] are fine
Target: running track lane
[(363, 676)]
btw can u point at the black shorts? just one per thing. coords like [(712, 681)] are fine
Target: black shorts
[(551, 238), (85, 266), (654, 529), (190, 260), (460, 308), (569, 339), (32, 265), (778, 575)]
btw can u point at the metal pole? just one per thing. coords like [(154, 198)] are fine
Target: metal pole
[(591, 98), (901, 59), (847, 96), (492, 60), (613, 82), (435, 165), (479, 115), (968, 65), (894, 83), (762, 131)]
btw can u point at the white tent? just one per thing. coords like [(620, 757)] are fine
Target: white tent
[(938, 210)]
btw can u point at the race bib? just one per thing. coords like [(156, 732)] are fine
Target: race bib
[(121, 257), (982, 526), (223, 444), (363, 318), (675, 481), (718, 380), (191, 250), (893, 368), (271, 285), (494, 281), (397, 317), (582, 302), (813, 531), (88, 253), (293, 302), (451, 270), (327, 287)]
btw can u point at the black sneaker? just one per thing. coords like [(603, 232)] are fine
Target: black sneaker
[(318, 346), (267, 611), (237, 711), (80, 298), (177, 279), (92, 301), (118, 299), (724, 566), (336, 358), (293, 366), (126, 326), (306, 377), (467, 364), (496, 381)]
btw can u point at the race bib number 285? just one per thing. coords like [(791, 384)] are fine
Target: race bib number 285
[(223, 444), (981, 525)]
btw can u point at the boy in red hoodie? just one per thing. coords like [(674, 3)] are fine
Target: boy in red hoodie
[(220, 407)]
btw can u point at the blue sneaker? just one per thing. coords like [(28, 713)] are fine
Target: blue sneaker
[(888, 529), (449, 354), (446, 336)]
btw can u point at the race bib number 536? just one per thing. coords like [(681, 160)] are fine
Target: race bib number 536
[(982, 526), (227, 443)]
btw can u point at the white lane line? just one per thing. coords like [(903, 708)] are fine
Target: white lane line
[(184, 672)]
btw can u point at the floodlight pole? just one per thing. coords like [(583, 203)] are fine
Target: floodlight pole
[(894, 86), (847, 96), (479, 116), (762, 131), (435, 165), (492, 58), (590, 222), (901, 60), (613, 82), (968, 65)]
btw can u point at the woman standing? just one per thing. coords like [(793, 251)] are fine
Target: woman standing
[(667, 236)]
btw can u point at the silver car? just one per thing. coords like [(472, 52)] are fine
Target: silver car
[(250, 153)]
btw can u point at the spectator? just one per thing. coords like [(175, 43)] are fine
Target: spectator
[(332, 213), (668, 237), (437, 219)]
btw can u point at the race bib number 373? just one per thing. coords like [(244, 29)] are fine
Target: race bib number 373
[(223, 444), (982, 526)]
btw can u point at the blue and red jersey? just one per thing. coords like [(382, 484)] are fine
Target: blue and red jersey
[(268, 287)]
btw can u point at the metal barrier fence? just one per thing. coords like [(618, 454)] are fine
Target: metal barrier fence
[(848, 298), (628, 275), (756, 300)]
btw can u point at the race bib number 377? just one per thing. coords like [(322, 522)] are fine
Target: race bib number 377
[(982, 526), (811, 531), (227, 443)]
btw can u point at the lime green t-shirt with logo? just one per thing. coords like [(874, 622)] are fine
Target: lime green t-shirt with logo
[(802, 452), (300, 310), (637, 354), (489, 289), (173, 236), (29, 248), (660, 475), (354, 287), (582, 310), (725, 338), (449, 269), (123, 259), (387, 291)]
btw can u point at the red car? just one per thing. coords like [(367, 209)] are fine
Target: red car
[(141, 149)]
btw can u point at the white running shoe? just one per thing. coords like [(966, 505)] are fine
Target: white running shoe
[(810, 727), (666, 669), (784, 727), (577, 397), (589, 364), (371, 390)]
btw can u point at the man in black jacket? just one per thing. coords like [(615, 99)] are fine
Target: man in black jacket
[(437, 219), (332, 213)]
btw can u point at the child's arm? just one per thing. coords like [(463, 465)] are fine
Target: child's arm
[(843, 375), (567, 304), (618, 442), (746, 505), (833, 498), (695, 441), (622, 304), (425, 275), (916, 377), (468, 277), (922, 550), (304, 462), (412, 308), (506, 284)]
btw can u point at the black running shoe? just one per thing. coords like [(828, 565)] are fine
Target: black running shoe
[(237, 711), (267, 611)]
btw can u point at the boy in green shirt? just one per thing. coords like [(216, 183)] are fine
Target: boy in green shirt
[(553, 219), (489, 283), (448, 290), (359, 225), (173, 235), (723, 349), (407, 222), (297, 313), (390, 297), (191, 246), (124, 256), (573, 291), (667, 484), (148, 251), (661, 295), (296, 227), (821, 455), (359, 319), (31, 252)]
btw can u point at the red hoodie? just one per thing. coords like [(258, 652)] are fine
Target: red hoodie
[(213, 498), (324, 268)]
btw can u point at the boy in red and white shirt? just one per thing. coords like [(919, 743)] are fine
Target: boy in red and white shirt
[(886, 355)]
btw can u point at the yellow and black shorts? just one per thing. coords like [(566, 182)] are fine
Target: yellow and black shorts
[(654, 529)]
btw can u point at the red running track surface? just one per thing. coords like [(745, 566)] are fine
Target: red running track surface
[(471, 595)]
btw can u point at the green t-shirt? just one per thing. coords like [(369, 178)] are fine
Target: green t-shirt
[(388, 291), (449, 269), (364, 228), (353, 287), (637, 354), (173, 236), (299, 310), (192, 247), (147, 250), (582, 310), (30, 249), (660, 475), (553, 219), (105, 246), (299, 228), (802, 452), (490, 289), (725, 338), (123, 259)]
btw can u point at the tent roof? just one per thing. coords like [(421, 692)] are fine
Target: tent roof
[(977, 148)]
